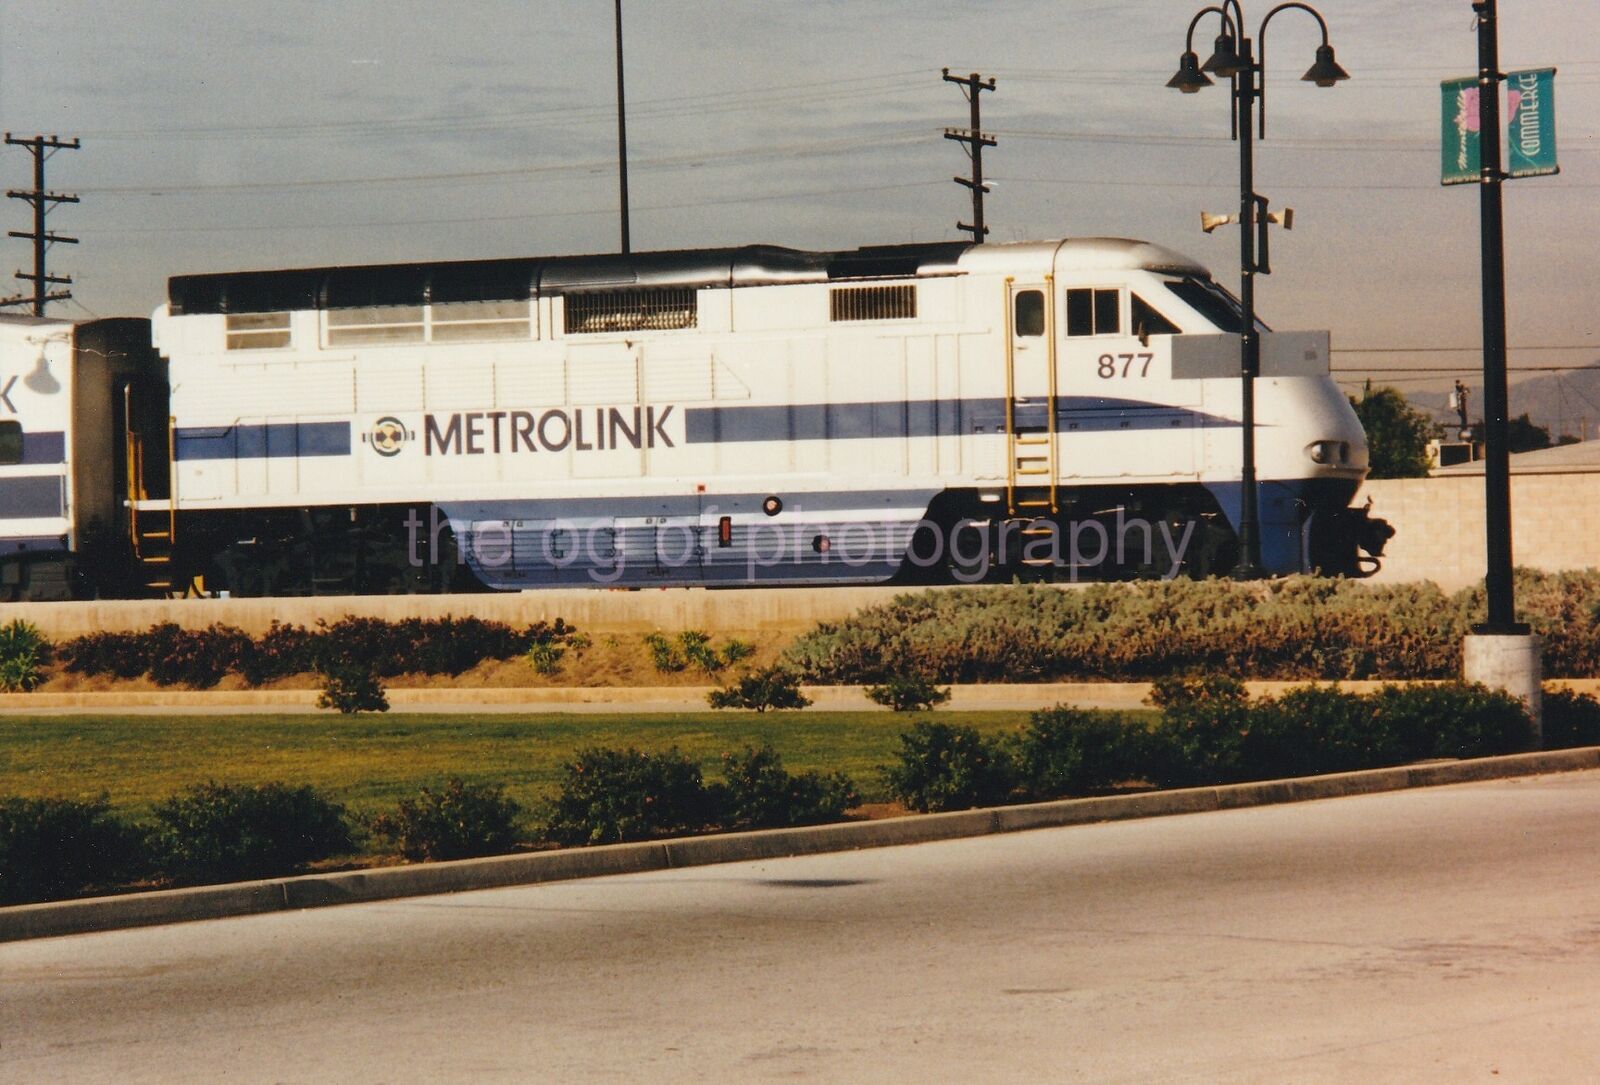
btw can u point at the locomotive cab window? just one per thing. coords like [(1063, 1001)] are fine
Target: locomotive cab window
[(1094, 311), (257, 331), (1146, 321), (10, 443), (1028, 313)]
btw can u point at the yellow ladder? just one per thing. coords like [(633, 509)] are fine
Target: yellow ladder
[(1032, 455)]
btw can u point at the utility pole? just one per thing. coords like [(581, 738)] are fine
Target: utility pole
[(1496, 467), (41, 147), (622, 135), (974, 141)]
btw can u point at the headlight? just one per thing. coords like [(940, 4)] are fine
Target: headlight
[(1323, 451)]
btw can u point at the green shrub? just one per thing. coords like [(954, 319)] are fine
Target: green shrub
[(1453, 719), (20, 672), (608, 796), (352, 688), (461, 821), (168, 653), (199, 658), (1207, 722), (1295, 628), (770, 687), (1570, 719), (908, 693), (736, 651), (545, 657), (1315, 730), (758, 793), (665, 655), (20, 638), (54, 848), (1066, 751), (232, 832), (941, 766)]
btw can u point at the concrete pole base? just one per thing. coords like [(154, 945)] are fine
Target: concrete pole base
[(1510, 662)]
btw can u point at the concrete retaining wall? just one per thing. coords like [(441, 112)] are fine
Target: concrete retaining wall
[(753, 610)]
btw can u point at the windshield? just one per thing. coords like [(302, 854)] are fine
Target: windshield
[(1212, 301)]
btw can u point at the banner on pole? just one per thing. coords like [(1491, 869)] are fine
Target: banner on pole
[(1531, 123), (1461, 151), (1530, 127)]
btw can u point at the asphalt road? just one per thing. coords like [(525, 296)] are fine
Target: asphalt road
[(1449, 934)]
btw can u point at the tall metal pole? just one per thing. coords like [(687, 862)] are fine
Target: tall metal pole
[(622, 134), (1497, 463), (1249, 564)]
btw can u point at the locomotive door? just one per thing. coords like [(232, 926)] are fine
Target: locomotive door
[(1030, 407)]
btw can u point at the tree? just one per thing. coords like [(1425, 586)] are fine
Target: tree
[(1523, 436), (1397, 433)]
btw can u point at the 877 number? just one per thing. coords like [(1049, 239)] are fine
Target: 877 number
[(1108, 364)]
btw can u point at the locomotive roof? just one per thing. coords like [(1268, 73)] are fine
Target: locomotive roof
[(748, 265)]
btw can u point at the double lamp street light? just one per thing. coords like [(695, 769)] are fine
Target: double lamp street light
[(1234, 58)]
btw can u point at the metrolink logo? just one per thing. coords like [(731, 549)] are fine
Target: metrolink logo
[(584, 429), (5, 395)]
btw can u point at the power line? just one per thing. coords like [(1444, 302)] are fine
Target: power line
[(681, 206), (1459, 350), (799, 150)]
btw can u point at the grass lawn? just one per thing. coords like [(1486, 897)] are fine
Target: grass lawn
[(368, 762)]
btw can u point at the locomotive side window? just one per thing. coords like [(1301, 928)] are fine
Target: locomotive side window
[(1028, 317), (474, 321), (374, 325), (10, 443), (1146, 321), (257, 331), (1094, 312)]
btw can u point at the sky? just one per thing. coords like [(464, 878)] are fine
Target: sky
[(234, 135)]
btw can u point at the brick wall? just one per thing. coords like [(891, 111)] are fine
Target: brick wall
[(1439, 525)]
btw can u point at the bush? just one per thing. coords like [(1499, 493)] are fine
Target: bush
[(20, 638), (1066, 751), (20, 673), (770, 687), (760, 794), (693, 647), (944, 767), (608, 796), (1206, 722), (233, 832), (459, 822), (55, 848), (352, 688), (665, 656), (545, 657), (1315, 730), (908, 693), (168, 653), (1570, 719), (199, 658), (1454, 719), (1296, 628)]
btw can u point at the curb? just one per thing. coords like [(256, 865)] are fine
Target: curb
[(426, 879), (651, 699)]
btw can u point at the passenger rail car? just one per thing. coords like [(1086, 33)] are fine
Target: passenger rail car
[(754, 415)]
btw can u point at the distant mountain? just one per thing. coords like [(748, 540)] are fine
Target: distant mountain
[(1562, 402)]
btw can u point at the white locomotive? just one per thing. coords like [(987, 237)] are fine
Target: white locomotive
[(755, 415)]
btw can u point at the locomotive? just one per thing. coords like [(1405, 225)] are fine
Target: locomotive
[(1065, 409)]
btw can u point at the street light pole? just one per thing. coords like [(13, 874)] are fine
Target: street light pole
[(1249, 565), (1235, 59)]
